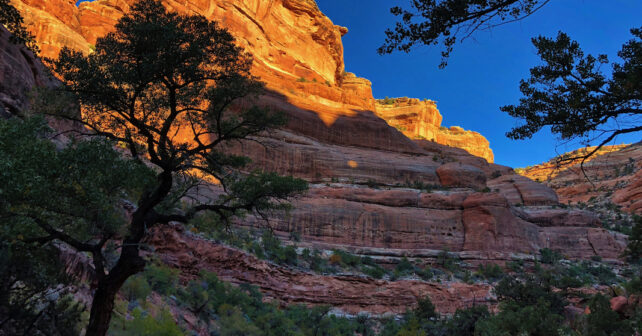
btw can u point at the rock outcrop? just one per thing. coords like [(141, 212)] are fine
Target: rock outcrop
[(348, 293), (419, 119), (20, 71), (613, 175)]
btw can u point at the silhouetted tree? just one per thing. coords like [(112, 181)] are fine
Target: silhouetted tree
[(49, 195), (163, 85), (571, 94), (431, 22), (11, 19)]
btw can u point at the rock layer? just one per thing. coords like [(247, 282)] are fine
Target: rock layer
[(349, 294), (613, 175)]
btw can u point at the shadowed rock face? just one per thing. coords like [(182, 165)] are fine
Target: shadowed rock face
[(350, 294), (20, 71)]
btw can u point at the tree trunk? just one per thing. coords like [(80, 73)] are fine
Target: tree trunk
[(102, 304), (101, 309)]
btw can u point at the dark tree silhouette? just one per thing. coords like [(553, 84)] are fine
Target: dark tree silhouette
[(11, 19), (431, 22), (163, 85), (571, 94)]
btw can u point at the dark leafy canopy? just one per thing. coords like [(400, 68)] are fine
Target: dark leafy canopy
[(431, 22), (571, 94), (47, 194), (165, 86), (11, 19)]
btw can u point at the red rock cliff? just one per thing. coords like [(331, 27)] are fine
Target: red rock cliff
[(297, 51)]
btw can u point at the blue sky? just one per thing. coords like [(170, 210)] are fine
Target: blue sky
[(483, 74)]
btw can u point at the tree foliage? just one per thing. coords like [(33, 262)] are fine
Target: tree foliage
[(634, 247), (432, 22), (571, 94), (45, 192), (11, 19)]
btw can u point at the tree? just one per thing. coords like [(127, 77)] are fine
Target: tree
[(431, 22), (634, 248), (11, 19), (571, 94), (163, 86), (45, 195), (603, 320)]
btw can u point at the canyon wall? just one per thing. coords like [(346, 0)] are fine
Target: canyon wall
[(613, 175), (297, 51), (374, 190), (432, 196)]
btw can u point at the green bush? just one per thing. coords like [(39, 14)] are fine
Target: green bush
[(144, 324), (603, 320), (516, 319), (549, 256), (136, 288), (634, 248), (161, 278), (491, 271)]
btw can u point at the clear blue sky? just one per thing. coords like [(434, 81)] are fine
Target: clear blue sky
[(483, 74)]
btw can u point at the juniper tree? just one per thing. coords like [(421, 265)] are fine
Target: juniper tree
[(164, 87), (432, 22), (571, 94), (11, 19)]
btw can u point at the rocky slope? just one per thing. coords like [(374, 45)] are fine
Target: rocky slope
[(614, 177), (374, 191)]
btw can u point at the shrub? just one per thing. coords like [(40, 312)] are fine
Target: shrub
[(603, 320), (161, 278), (634, 248), (376, 271), (144, 324), (491, 271), (136, 288), (549, 256), (464, 321), (532, 320), (425, 309), (404, 266)]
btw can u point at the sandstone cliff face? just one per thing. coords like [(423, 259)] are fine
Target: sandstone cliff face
[(418, 119), (297, 51), (615, 176), (20, 71)]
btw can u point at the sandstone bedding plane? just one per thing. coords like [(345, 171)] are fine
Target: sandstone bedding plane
[(387, 180)]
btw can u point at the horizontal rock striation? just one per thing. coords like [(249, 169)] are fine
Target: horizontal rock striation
[(349, 294), (374, 191), (613, 175)]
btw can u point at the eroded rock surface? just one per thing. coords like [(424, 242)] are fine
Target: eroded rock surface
[(614, 175), (421, 120), (350, 294)]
